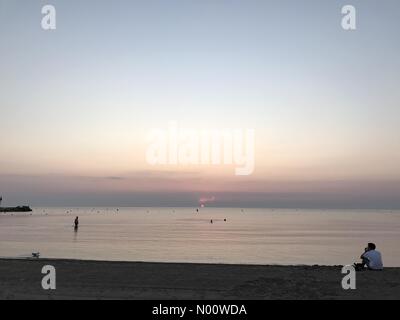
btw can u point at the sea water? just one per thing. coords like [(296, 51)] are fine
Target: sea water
[(248, 236)]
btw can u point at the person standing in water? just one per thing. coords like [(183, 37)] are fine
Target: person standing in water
[(76, 223)]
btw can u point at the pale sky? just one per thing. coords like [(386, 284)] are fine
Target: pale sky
[(77, 103)]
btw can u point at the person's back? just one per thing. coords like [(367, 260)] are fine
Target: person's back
[(373, 257)]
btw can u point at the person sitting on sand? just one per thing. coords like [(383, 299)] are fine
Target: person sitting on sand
[(371, 258), (76, 223)]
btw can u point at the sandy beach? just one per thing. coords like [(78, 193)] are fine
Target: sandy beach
[(21, 279)]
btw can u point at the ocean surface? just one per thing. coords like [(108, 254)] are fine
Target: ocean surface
[(248, 236)]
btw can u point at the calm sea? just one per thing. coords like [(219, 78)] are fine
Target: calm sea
[(248, 236)]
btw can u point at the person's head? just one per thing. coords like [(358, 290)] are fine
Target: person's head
[(371, 246)]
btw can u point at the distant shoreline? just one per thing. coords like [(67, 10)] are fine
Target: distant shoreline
[(79, 279), (300, 208)]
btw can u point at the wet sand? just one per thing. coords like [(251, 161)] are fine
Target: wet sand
[(21, 279)]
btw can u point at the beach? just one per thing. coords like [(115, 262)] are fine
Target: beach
[(78, 279)]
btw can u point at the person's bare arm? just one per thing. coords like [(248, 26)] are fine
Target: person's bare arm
[(362, 256)]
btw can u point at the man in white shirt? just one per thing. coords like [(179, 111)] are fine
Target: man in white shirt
[(372, 258)]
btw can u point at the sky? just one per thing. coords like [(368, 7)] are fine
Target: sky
[(77, 103)]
